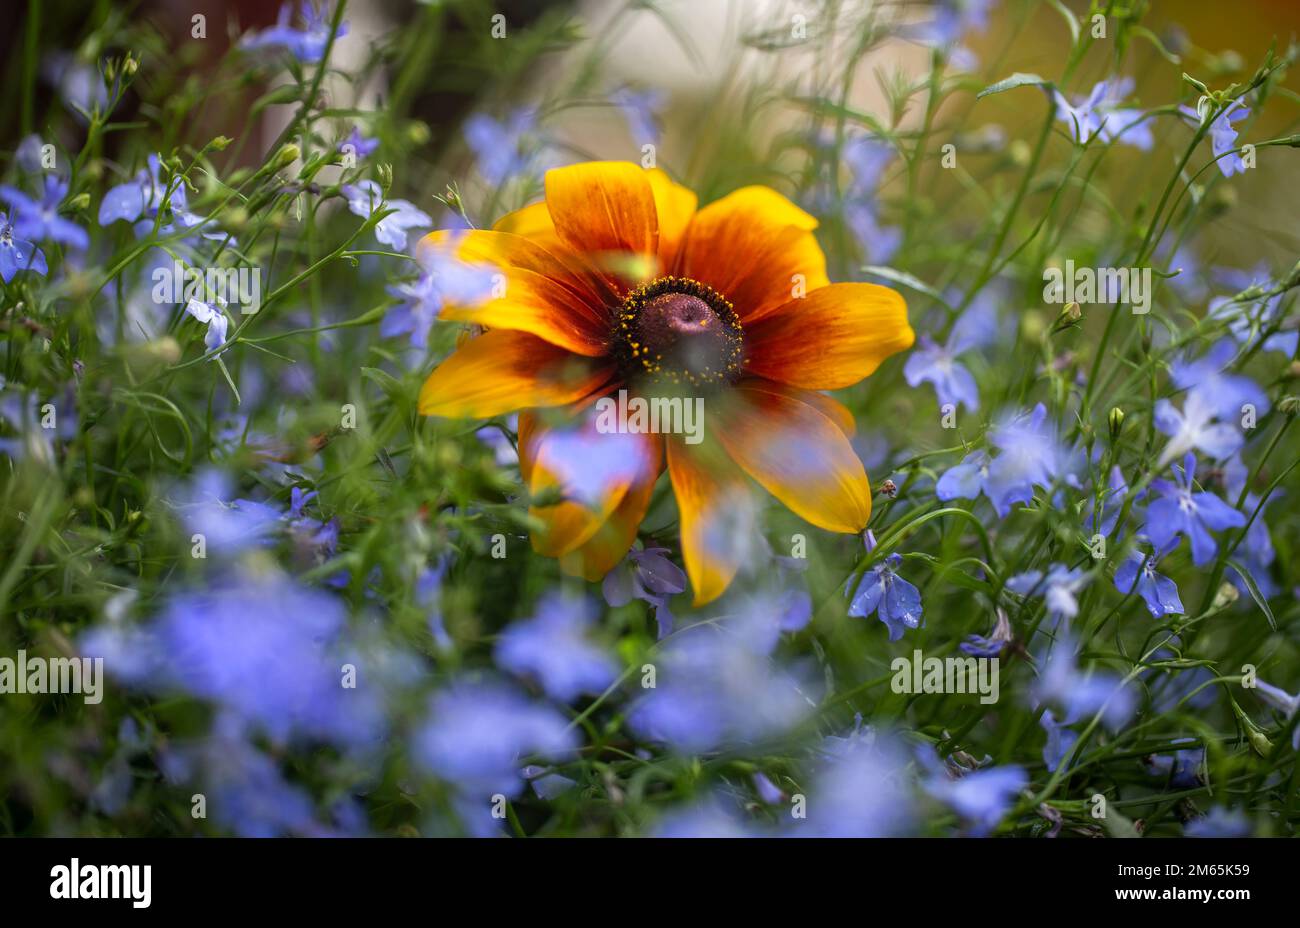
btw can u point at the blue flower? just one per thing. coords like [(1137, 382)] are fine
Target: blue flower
[(1220, 823), (1157, 591), (994, 644), (211, 316), (646, 574), (1182, 767), (1060, 740), (18, 255), (307, 44), (1082, 695), (361, 146), (862, 791), (145, 196), (981, 797), (640, 108), (1223, 137), (1246, 324), (896, 602), (708, 818), (1182, 511), (937, 364), (227, 525), (1030, 455), (478, 734), (499, 146), (367, 197), (1283, 702), (867, 158), (553, 648), (1059, 587), (952, 19), (41, 221), (444, 280), (265, 650), (1195, 427), (1099, 114), (716, 686)]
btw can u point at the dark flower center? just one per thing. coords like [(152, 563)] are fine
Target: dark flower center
[(680, 331)]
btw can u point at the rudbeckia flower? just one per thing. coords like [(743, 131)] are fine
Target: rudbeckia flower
[(618, 282)]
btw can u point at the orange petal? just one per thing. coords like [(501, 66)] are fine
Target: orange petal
[(674, 205), (611, 542), (603, 207), (829, 407), (716, 516), (595, 481), (797, 454), (532, 222), (831, 338), (754, 247), (502, 371)]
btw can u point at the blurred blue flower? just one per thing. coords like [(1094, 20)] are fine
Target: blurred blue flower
[(716, 686), (1180, 510), (227, 525), (1195, 427), (1220, 823), (1059, 587), (18, 255), (862, 791), (79, 85), (896, 602), (981, 797), (499, 145), (1157, 591), (1099, 114), (1283, 702), (554, 649), (478, 734), (264, 649), (993, 644), (1182, 768), (1082, 695), (361, 146), (867, 157), (40, 221), (1247, 319), (367, 197), (444, 279), (1223, 137), (1060, 740), (307, 43), (708, 818), (1227, 393), (640, 109), (937, 364)]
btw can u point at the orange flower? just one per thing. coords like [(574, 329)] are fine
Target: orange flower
[(617, 281)]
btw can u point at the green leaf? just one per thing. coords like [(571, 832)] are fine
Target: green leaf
[(1255, 594), (1019, 79)]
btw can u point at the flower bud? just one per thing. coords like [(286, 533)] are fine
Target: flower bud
[(1116, 422), (287, 155)]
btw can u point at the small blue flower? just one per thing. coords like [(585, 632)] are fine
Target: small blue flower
[(41, 221), (210, 315), (1247, 320), (1182, 511), (982, 797), (1060, 740), (478, 734), (307, 44), (1220, 823), (862, 790), (499, 145), (554, 649), (367, 197), (1059, 587), (444, 280), (1283, 702), (1082, 695), (1157, 591), (646, 574), (992, 645), (937, 364), (1100, 115), (896, 602), (1223, 137), (640, 108), (1182, 767), (361, 147), (18, 255)]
